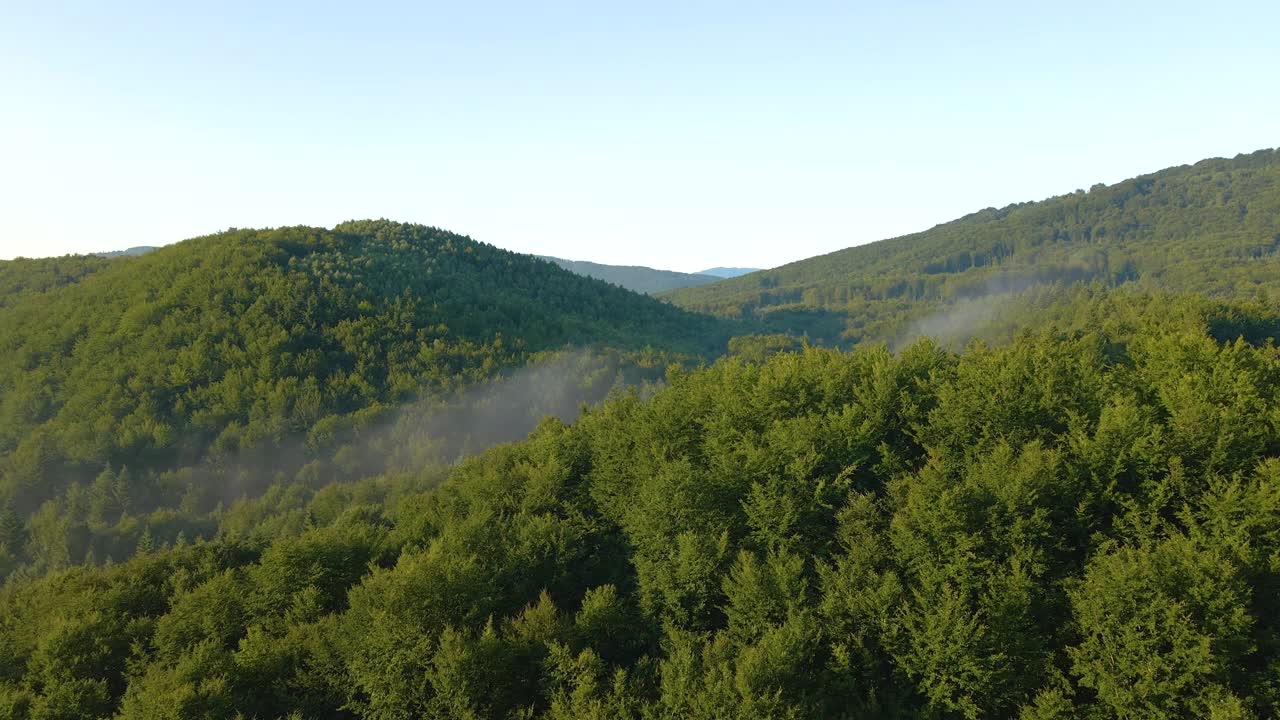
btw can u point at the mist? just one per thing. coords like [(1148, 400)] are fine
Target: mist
[(429, 433), (956, 324)]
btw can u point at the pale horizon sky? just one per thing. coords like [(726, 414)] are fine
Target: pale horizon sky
[(674, 135)]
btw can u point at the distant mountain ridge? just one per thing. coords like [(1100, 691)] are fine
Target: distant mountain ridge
[(133, 251), (729, 272), (636, 278)]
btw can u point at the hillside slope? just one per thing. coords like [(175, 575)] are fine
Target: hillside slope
[(246, 337), (1073, 525), (1211, 228), (636, 278), (25, 276)]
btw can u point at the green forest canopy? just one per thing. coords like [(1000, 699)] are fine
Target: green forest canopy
[(247, 338), (227, 467), (1211, 228), (1080, 523)]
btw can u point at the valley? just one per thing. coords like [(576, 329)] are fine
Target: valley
[(1022, 464)]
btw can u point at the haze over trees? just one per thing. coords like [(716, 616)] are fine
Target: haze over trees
[(728, 272), (634, 277), (246, 475), (1211, 228), (137, 250), (248, 338), (1079, 523)]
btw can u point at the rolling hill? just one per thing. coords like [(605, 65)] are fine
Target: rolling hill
[(246, 338), (1211, 228), (633, 277), (23, 277), (1079, 521), (1073, 525)]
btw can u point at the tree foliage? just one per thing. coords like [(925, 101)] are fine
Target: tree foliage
[(1076, 523), (1212, 228), (245, 342), (290, 474)]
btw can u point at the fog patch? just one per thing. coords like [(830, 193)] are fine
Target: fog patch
[(956, 324), (433, 432)]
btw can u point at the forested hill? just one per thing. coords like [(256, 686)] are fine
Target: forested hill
[(232, 339), (1083, 523), (23, 277), (1211, 228), (633, 277)]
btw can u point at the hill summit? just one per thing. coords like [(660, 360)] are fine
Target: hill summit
[(230, 340)]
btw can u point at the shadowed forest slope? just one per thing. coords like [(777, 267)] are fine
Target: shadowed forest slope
[(1211, 228)]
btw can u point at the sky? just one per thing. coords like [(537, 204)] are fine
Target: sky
[(677, 135)]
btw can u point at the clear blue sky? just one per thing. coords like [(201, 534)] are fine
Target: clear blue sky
[(677, 135)]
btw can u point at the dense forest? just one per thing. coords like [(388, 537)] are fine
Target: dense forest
[(1081, 522), (290, 474), (25, 278), (225, 350), (633, 277), (1211, 228)]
